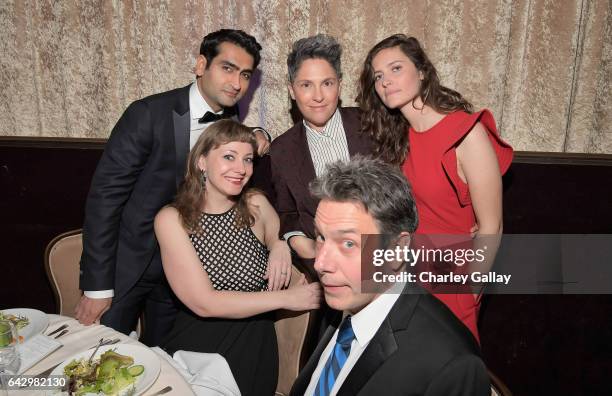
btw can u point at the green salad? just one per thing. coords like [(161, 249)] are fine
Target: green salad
[(111, 374)]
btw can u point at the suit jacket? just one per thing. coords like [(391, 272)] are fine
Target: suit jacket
[(421, 348), (143, 163), (292, 170)]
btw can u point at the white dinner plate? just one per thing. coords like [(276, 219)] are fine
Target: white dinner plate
[(38, 321), (142, 355)]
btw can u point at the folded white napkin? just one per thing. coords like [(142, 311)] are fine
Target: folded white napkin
[(207, 373)]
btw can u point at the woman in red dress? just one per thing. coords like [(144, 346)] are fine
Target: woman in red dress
[(452, 156)]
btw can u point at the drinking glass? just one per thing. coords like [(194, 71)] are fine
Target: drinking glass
[(9, 357)]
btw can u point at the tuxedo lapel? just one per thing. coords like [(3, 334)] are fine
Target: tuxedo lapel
[(383, 345), (378, 350), (181, 144), (182, 125)]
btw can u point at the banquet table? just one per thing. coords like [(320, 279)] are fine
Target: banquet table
[(80, 338)]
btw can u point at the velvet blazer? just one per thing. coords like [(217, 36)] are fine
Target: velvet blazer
[(292, 169)]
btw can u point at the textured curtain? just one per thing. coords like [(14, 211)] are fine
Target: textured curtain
[(69, 68)]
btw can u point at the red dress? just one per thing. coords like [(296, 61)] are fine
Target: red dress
[(442, 198)]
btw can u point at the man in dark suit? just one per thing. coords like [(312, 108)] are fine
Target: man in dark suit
[(395, 338), (326, 134), (142, 166)]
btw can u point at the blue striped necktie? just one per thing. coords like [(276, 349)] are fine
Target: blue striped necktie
[(334, 364)]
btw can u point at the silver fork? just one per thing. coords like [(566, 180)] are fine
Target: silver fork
[(100, 343), (113, 342), (108, 342)]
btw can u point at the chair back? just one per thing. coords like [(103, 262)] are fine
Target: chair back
[(62, 258), (498, 387), (292, 330)]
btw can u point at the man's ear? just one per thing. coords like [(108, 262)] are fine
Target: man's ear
[(403, 241), (290, 87), (200, 65)]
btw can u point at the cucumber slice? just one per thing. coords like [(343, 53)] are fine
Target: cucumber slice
[(136, 370)]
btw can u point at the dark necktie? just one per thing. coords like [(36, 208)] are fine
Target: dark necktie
[(211, 117), (334, 364)]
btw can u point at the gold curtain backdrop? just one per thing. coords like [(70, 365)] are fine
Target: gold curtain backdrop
[(69, 68)]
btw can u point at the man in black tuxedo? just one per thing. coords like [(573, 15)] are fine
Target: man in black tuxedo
[(142, 166), (397, 339)]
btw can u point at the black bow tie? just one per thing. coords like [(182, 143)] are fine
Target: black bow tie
[(211, 117)]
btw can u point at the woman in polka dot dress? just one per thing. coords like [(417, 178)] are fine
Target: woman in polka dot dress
[(223, 260)]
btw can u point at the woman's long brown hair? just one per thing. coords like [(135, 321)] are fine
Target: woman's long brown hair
[(388, 128), (190, 196)]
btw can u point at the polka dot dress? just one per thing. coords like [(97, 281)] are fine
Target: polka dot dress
[(233, 258)]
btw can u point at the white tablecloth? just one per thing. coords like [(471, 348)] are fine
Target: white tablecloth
[(80, 338)]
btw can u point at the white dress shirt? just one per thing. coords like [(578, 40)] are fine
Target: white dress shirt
[(327, 145), (365, 324), (197, 108)]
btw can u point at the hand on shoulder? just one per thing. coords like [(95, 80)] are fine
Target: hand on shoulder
[(303, 296)]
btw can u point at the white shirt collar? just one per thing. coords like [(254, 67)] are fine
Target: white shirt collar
[(197, 105), (366, 322)]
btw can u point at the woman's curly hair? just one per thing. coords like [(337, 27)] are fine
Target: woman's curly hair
[(388, 128)]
